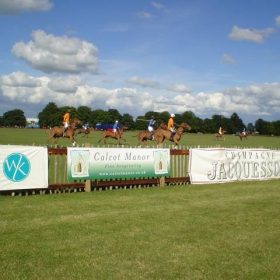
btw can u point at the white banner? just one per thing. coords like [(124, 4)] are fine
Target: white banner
[(23, 167), (228, 165)]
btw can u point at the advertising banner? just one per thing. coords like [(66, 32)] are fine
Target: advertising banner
[(110, 163), (23, 167), (227, 165)]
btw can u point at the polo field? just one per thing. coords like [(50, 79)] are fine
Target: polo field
[(216, 231)]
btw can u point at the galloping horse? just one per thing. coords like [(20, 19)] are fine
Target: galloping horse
[(111, 134), (145, 135), (218, 135), (82, 130), (243, 135), (57, 131), (162, 134)]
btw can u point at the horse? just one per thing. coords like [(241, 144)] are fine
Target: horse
[(57, 131), (111, 134), (218, 135), (145, 135), (243, 135), (82, 130), (161, 135)]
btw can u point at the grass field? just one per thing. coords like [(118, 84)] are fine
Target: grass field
[(38, 137), (221, 231), (225, 231)]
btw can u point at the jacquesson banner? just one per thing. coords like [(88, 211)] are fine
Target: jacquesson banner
[(226, 165), (110, 163), (23, 167)]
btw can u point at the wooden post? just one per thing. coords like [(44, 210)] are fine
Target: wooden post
[(161, 179), (88, 182)]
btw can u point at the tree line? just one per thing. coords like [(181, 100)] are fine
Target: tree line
[(52, 115)]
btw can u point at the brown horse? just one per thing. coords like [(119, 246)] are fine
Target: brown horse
[(220, 136), (86, 132), (57, 131), (161, 135), (243, 135), (145, 135), (111, 134)]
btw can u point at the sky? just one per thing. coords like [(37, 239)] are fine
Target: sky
[(211, 57)]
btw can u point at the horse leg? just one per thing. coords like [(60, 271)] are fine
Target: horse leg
[(146, 142), (55, 140), (100, 139), (49, 138), (176, 143), (73, 141)]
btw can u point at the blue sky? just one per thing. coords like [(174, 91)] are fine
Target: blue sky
[(206, 56)]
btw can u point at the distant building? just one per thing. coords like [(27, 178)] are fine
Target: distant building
[(32, 123)]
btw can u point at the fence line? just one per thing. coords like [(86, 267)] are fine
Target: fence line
[(58, 182), (58, 158)]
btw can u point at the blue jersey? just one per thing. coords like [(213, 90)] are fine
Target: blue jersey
[(151, 122)]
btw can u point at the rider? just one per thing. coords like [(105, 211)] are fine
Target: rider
[(116, 127), (86, 126), (151, 124), (171, 127), (220, 131), (66, 121), (244, 131)]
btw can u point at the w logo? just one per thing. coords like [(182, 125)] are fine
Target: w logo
[(16, 167)]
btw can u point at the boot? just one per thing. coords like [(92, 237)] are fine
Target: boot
[(151, 136), (171, 136)]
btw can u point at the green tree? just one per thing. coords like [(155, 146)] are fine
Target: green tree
[(14, 118), (127, 120), (114, 115), (237, 124), (99, 116), (84, 114), (141, 123), (250, 128), (260, 125), (276, 125), (209, 126), (219, 120), (50, 116), (192, 120)]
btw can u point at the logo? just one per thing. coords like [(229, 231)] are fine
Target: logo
[(16, 167)]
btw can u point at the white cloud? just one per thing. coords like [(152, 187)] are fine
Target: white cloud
[(256, 36), (254, 101), (159, 6), (68, 84), (19, 79), (277, 19), (179, 88), (14, 7), (52, 54), (144, 15), (143, 82), (227, 59)]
